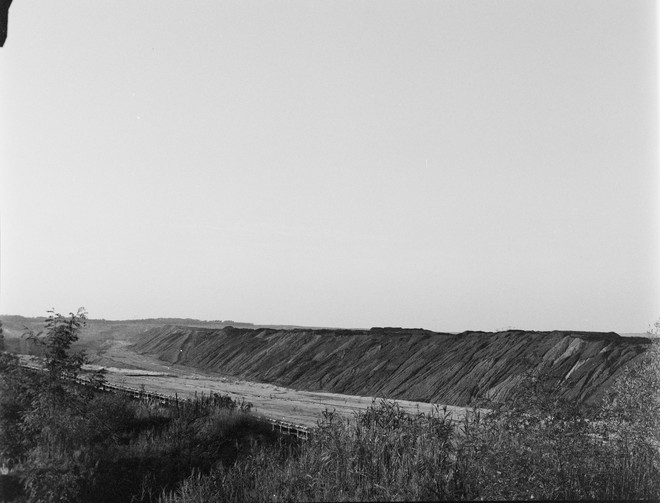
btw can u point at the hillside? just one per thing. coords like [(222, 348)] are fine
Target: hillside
[(98, 332), (411, 364)]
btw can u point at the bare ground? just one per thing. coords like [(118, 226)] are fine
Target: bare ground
[(301, 407)]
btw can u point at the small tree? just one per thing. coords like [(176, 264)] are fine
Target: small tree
[(17, 390), (56, 464), (60, 334)]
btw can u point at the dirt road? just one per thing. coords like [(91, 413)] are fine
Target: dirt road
[(300, 407)]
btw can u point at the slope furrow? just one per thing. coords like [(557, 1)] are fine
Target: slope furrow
[(413, 364)]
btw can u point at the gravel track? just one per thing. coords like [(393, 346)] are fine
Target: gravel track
[(300, 407)]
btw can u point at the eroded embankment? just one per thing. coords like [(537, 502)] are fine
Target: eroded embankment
[(408, 364)]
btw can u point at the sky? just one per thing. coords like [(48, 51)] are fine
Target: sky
[(450, 165)]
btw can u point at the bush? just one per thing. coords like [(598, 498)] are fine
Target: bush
[(70, 444), (382, 454), (536, 446), (541, 446), (67, 443)]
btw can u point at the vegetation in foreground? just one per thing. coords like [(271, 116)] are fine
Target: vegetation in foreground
[(538, 447), (60, 441), (63, 442)]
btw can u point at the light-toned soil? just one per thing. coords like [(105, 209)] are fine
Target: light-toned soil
[(299, 407)]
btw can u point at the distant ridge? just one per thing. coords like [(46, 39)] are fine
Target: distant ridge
[(191, 322), (391, 362), (15, 325)]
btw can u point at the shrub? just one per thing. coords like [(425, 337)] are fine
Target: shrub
[(381, 454), (68, 443), (541, 446), (73, 445), (536, 446)]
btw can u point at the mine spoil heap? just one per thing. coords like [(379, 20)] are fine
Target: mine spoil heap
[(410, 364)]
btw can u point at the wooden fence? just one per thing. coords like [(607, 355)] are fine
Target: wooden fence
[(289, 428), (283, 427)]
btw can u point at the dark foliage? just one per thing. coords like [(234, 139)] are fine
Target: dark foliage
[(61, 441)]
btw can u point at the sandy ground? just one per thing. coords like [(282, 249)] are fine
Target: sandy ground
[(300, 407)]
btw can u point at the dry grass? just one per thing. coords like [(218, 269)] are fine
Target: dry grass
[(66, 444), (537, 447)]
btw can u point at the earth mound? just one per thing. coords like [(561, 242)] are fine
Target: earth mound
[(409, 364)]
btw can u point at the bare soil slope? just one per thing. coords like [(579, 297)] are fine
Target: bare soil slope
[(409, 364), (98, 336)]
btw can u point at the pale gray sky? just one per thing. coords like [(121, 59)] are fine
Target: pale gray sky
[(449, 165)]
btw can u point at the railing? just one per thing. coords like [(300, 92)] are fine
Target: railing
[(286, 428), (137, 394), (283, 427)]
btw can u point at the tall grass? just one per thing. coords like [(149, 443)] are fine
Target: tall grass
[(109, 448), (536, 447), (60, 441), (65, 443), (381, 454)]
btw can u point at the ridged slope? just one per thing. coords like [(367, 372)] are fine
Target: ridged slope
[(410, 364)]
